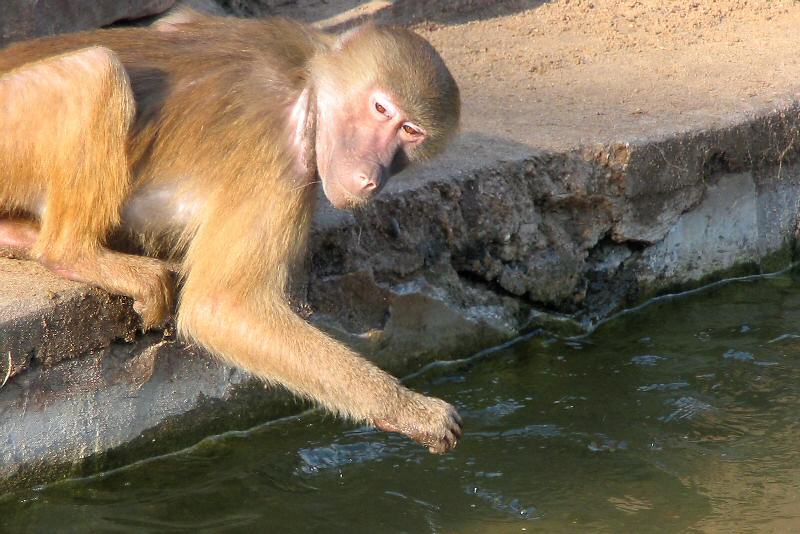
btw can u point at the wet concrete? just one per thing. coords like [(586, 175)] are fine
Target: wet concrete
[(65, 418)]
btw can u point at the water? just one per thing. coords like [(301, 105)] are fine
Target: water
[(682, 416)]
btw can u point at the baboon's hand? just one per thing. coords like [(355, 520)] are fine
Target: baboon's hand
[(427, 420)]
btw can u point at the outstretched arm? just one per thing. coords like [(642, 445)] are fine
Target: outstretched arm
[(233, 304)]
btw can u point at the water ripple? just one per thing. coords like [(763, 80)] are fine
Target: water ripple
[(686, 408), (336, 455)]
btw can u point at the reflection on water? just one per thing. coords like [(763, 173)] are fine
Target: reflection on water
[(684, 415)]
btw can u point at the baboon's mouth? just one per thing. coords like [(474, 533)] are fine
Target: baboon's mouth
[(351, 200)]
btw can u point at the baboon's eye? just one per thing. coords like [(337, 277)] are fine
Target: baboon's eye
[(380, 109), (410, 130)]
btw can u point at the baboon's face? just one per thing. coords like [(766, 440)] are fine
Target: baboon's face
[(362, 139)]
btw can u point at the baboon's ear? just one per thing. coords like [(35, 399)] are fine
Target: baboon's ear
[(350, 34), (187, 12)]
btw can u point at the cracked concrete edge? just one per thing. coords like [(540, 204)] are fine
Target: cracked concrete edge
[(72, 321), (527, 227)]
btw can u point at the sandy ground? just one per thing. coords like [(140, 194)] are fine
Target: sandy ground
[(574, 72)]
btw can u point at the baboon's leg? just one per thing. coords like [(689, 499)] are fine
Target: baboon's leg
[(64, 163)]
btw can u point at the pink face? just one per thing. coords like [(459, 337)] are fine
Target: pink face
[(362, 139)]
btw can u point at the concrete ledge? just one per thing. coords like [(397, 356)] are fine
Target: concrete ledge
[(150, 396), (44, 319)]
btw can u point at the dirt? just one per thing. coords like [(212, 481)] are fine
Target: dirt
[(574, 72)]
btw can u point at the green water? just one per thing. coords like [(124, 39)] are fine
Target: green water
[(682, 416)]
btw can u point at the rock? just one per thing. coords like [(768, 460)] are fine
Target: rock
[(25, 19)]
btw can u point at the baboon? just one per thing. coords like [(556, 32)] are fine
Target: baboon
[(201, 140)]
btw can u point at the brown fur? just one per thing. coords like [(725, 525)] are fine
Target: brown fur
[(204, 172)]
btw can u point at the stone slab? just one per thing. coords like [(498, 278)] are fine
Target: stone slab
[(25, 19)]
